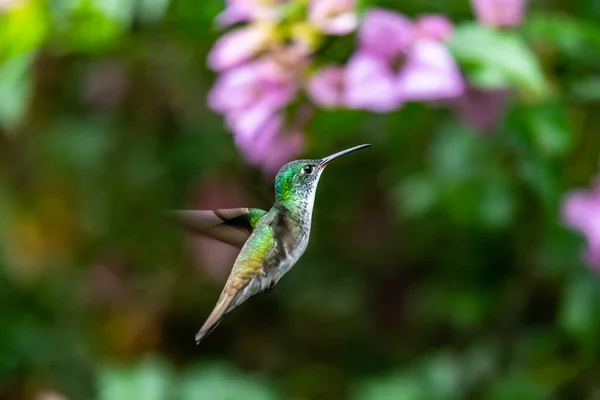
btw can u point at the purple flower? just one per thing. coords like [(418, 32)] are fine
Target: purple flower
[(499, 13), (400, 61), (273, 147), (581, 211), (482, 108), (284, 148), (247, 10), (238, 46), (386, 34), (434, 27), (259, 83), (326, 87), (370, 84), (334, 17), (430, 73)]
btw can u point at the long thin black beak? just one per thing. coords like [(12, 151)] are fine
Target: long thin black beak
[(332, 157)]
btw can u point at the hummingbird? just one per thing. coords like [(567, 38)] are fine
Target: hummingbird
[(271, 241)]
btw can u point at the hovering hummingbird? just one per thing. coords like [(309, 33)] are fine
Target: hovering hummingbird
[(271, 242)]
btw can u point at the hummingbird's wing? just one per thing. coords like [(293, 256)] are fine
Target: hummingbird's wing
[(229, 225)]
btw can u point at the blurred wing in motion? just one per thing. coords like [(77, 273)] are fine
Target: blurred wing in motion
[(229, 225)]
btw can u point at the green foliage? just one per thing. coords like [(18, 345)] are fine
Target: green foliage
[(439, 265), (495, 59)]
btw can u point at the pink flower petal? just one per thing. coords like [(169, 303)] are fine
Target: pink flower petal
[(237, 46), (434, 27), (235, 88), (581, 211), (286, 147), (248, 10), (578, 209), (256, 149), (334, 17), (326, 86), (499, 13), (385, 33), (429, 74), (370, 84)]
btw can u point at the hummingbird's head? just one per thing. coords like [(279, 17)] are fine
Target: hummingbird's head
[(297, 180)]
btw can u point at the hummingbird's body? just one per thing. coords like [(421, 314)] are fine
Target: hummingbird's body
[(271, 242)]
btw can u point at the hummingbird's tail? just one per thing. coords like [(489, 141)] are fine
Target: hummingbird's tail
[(216, 315)]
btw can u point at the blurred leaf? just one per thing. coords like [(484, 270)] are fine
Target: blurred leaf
[(497, 204), (393, 387), (517, 387), (456, 154), (152, 10), (417, 195), (23, 28), (549, 128), (87, 28), (586, 88), (443, 374), (580, 309), (495, 59), (151, 379), (15, 88), (221, 382), (120, 11), (572, 36)]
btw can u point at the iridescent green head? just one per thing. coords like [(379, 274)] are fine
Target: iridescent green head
[(296, 182)]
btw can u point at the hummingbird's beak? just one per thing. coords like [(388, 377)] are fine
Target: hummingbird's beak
[(332, 157)]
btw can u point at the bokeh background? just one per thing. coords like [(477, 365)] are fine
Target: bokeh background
[(441, 263)]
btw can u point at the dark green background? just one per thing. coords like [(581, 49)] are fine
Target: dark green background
[(438, 268)]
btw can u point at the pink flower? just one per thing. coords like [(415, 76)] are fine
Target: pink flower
[(430, 73), (251, 93), (482, 108), (286, 147), (370, 84), (273, 147), (385, 33), (238, 46), (334, 17), (581, 211), (434, 27), (326, 87), (247, 10), (499, 13), (400, 61)]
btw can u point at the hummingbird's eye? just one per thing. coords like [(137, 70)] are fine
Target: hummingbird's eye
[(309, 169)]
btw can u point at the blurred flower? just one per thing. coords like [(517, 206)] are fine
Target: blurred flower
[(482, 108), (370, 84), (581, 211), (334, 17), (434, 27), (251, 97), (8, 4), (326, 87), (304, 37), (499, 13), (286, 146), (397, 61), (385, 33), (430, 73), (238, 46), (247, 10)]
